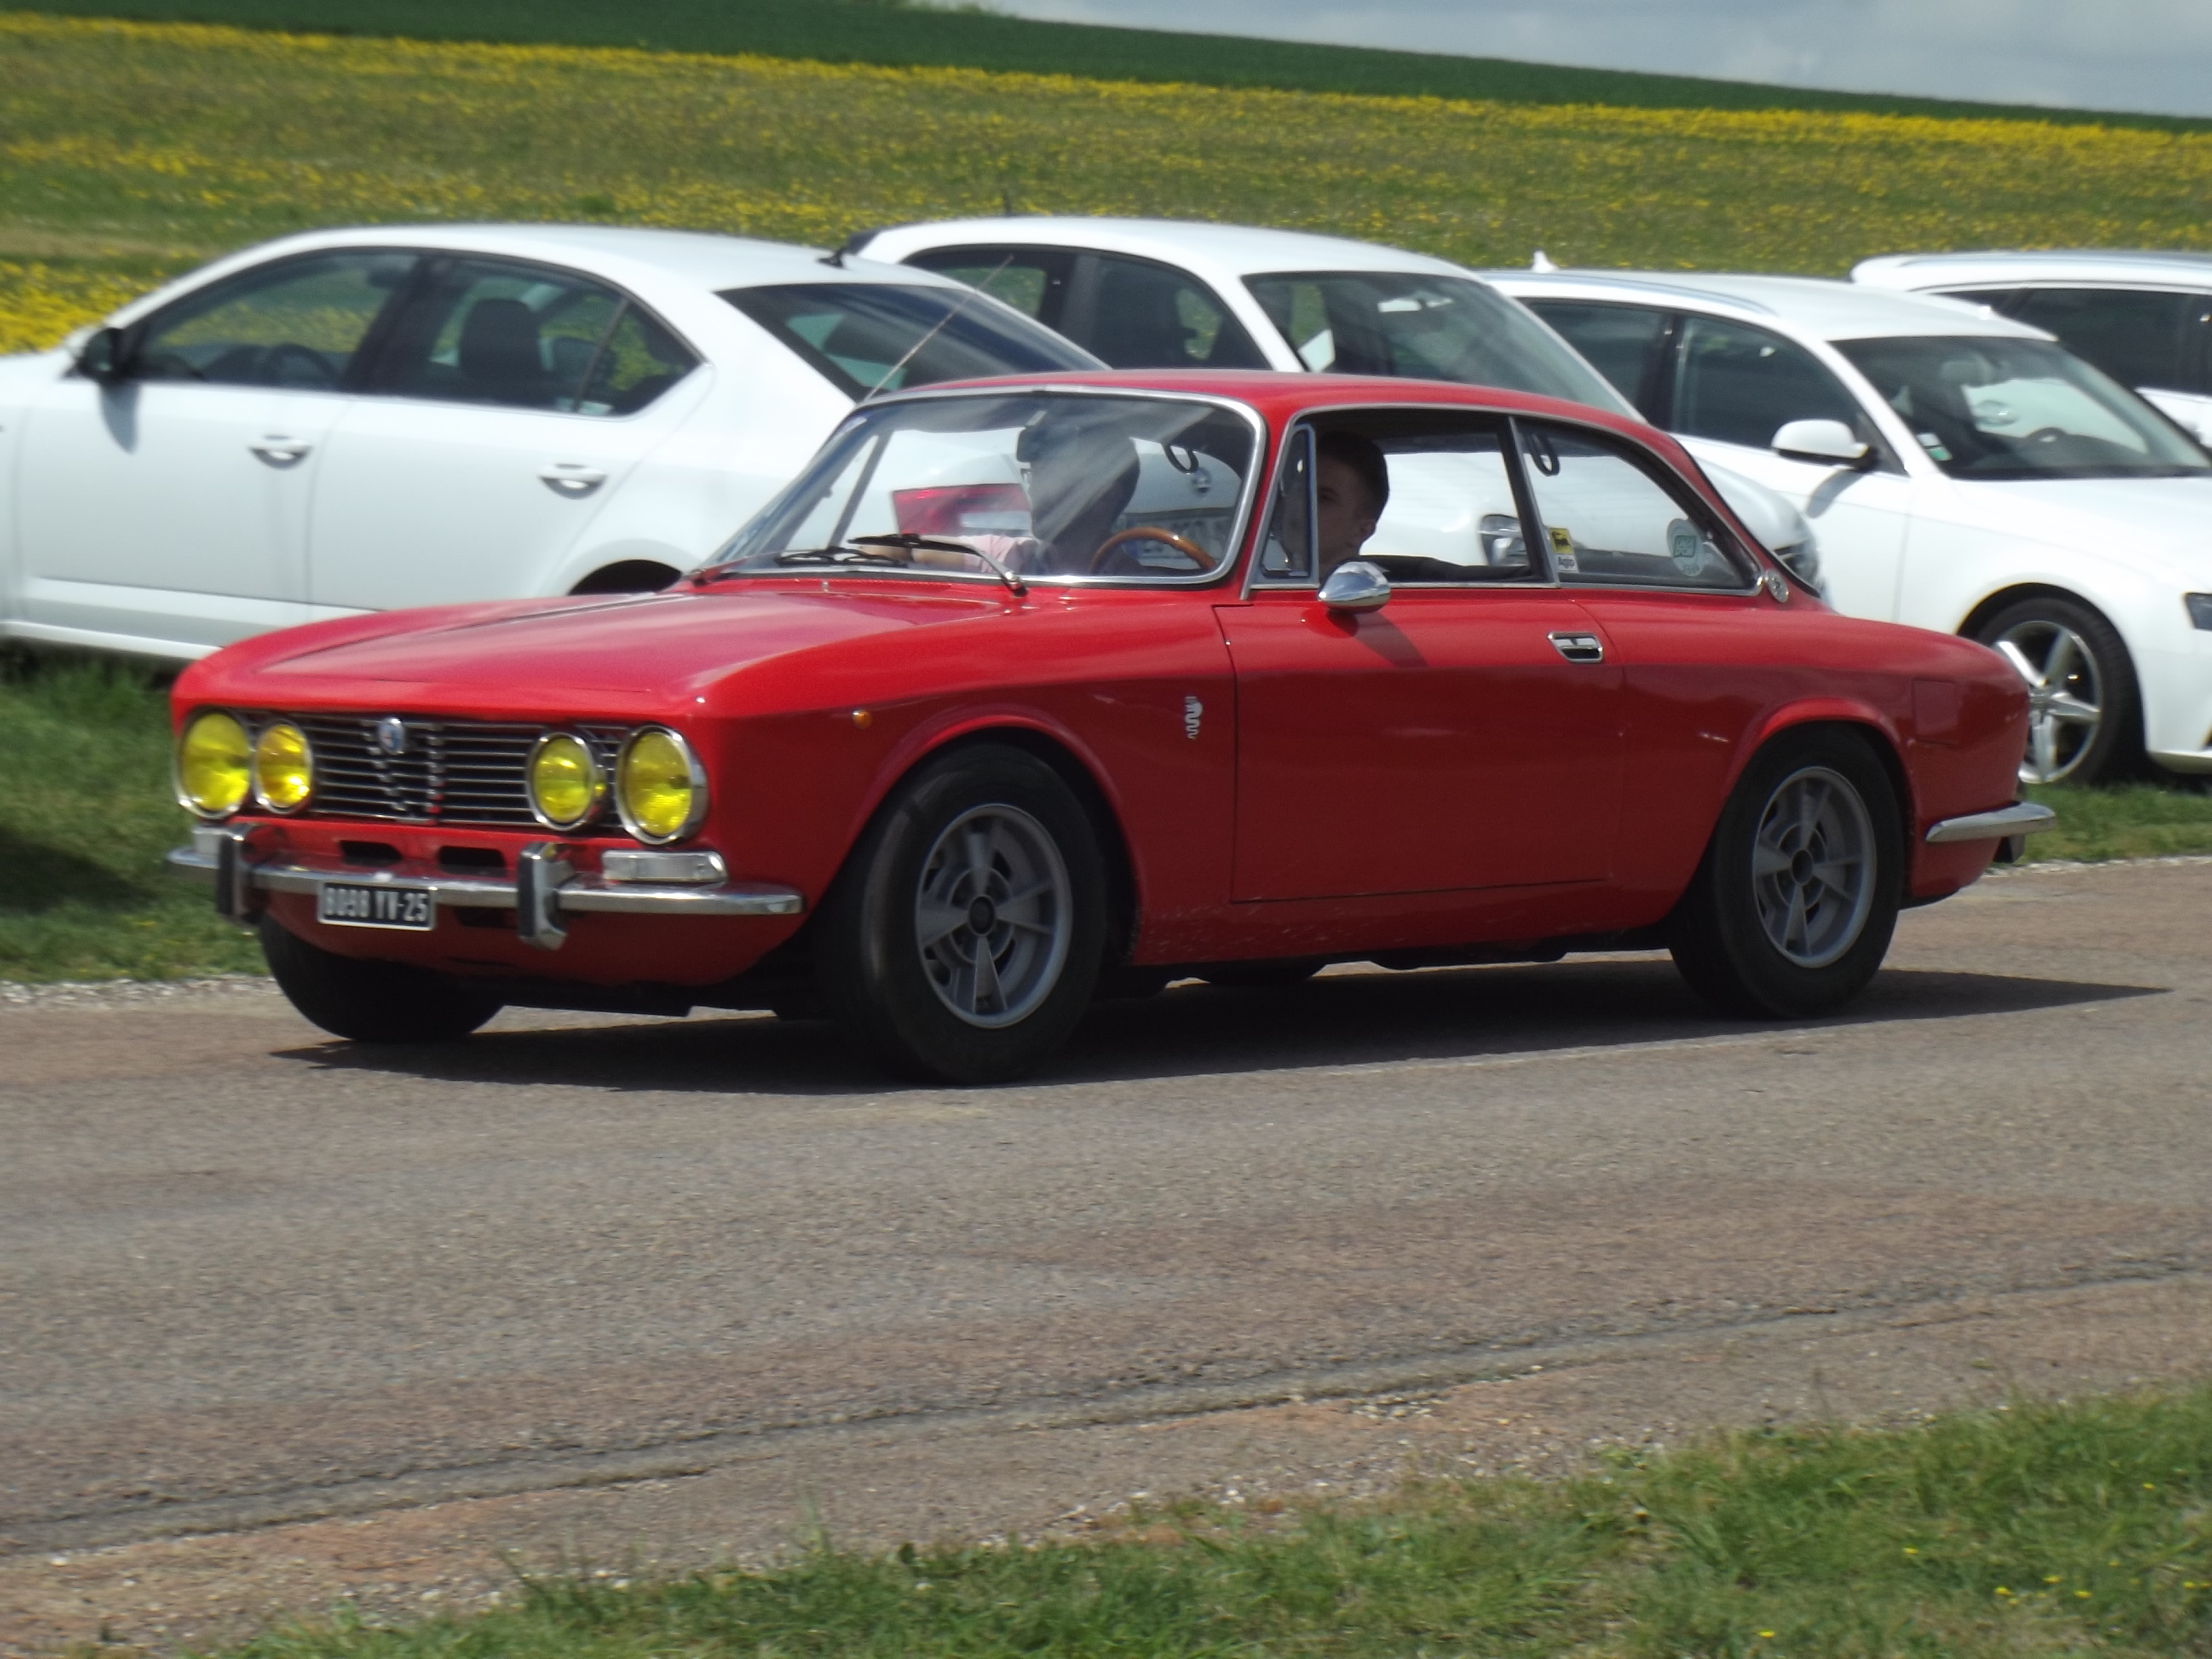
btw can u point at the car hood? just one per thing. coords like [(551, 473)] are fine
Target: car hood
[(2145, 522), (651, 645)]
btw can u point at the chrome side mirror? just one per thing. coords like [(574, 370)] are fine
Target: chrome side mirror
[(101, 358), (1356, 584), (1830, 441)]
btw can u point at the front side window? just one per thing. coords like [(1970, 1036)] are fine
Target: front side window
[(1034, 281), (1431, 328), (870, 337), (1625, 343), (2137, 335), (529, 336), (1609, 521), (298, 324), (1986, 407), (1740, 385), (1147, 316), (1044, 486)]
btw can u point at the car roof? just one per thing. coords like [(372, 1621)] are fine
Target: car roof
[(2138, 267), (1813, 304), (1238, 250)]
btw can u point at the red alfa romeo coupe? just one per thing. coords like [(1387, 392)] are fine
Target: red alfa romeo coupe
[(1026, 692)]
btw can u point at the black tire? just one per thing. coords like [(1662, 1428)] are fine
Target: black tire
[(372, 1001), (933, 1009), (1262, 976), (1833, 938), (2098, 673)]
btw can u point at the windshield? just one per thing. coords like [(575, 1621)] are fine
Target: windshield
[(879, 337), (1036, 484), (1985, 407), (1425, 328)]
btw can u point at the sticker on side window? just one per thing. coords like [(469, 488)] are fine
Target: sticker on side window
[(1563, 551)]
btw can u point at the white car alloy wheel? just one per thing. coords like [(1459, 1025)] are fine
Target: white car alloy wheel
[(993, 913), (2065, 694), (1812, 866)]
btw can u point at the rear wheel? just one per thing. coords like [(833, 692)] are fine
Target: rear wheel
[(372, 1001), (2083, 719), (962, 941), (1791, 911)]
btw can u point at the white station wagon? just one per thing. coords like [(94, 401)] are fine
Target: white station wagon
[(1962, 471), (363, 420)]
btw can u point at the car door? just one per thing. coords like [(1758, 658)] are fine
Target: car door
[(170, 511), (510, 405), (1466, 736)]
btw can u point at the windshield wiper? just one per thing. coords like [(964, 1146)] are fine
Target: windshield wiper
[(910, 542)]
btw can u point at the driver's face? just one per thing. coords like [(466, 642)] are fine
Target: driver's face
[(1346, 514)]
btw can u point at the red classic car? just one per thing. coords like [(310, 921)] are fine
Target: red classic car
[(1030, 692)]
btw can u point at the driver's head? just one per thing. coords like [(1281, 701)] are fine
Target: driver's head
[(1081, 480), (1351, 486)]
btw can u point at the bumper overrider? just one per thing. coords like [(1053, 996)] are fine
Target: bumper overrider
[(544, 890)]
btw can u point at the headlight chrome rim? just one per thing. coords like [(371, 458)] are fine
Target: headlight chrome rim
[(697, 775), (262, 797), (178, 763), (595, 772)]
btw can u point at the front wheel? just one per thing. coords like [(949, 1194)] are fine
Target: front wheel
[(2082, 702), (1792, 910), (962, 941), (372, 1001)]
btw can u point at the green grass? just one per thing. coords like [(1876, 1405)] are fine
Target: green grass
[(2036, 1530), (852, 31), (2124, 821), (81, 835)]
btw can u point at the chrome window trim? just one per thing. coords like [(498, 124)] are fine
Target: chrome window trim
[(253, 768), (698, 814), (602, 785), (1240, 526)]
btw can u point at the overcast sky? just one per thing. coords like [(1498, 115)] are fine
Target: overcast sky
[(2146, 55)]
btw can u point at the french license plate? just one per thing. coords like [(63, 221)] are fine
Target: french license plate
[(347, 905)]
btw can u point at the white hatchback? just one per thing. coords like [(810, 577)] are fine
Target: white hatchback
[(2144, 319), (1171, 294), (367, 419), (1963, 472)]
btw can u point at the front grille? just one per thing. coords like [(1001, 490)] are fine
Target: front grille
[(457, 771)]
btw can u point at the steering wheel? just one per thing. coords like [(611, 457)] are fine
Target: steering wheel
[(2046, 435), (1149, 532), (319, 372)]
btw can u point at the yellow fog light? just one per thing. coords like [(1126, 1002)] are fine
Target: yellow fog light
[(566, 784), (283, 767), (659, 787), (214, 759)]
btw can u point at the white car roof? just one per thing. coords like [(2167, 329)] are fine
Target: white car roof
[(1812, 305), (1235, 250), (2122, 267)]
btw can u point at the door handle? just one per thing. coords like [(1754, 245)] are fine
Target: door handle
[(1578, 647), (280, 451), (572, 479)]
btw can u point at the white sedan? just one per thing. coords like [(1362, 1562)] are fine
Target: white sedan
[(1963, 472), (367, 419), (1169, 293)]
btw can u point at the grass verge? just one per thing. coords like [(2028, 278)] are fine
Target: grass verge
[(2038, 1529)]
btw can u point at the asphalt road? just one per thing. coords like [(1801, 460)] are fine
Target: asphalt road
[(249, 1274)]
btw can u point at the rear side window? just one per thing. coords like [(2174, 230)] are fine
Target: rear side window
[(1148, 316), (1034, 281), (866, 337), (2140, 336), (298, 324), (1741, 385), (1625, 343)]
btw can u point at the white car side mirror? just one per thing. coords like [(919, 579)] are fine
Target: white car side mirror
[(1821, 440)]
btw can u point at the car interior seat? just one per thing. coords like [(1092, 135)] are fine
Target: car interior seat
[(500, 356)]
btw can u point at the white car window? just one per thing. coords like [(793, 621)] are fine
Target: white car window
[(2140, 336), (1741, 385), (298, 324), (1608, 521)]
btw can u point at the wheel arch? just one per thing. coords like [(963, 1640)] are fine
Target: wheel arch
[(628, 577), (1862, 723), (1991, 604)]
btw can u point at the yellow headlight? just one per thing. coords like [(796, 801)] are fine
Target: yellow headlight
[(659, 787), (214, 761), (566, 784), (283, 767)]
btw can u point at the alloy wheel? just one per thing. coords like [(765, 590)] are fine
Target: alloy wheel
[(1812, 866), (993, 914), (2065, 695)]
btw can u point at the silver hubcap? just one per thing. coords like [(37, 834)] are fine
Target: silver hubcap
[(2065, 695), (993, 915), (1811, 866)]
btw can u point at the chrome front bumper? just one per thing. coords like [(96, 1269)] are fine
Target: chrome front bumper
[(544, 888), (2021, 819)]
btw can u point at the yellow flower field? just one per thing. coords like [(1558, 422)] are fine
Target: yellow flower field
[(180, 142)]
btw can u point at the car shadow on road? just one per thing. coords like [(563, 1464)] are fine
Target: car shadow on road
[(1341, 1019)]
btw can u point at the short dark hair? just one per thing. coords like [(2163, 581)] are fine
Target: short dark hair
[(1365, 456)]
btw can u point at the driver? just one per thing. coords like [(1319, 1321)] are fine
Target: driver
[(1351, 486), (1081, 480)]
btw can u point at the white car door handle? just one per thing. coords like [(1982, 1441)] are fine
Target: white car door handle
[(572, 479), (280, 451)]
